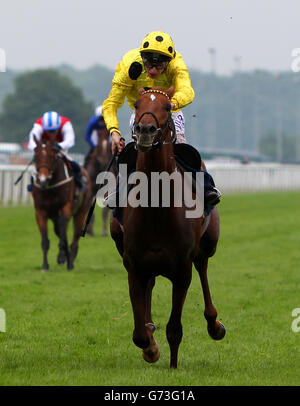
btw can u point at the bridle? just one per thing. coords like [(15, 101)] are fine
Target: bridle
[(51, 170), (158, 131)]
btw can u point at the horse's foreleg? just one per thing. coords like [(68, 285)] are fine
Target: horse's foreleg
[(174, 326), (152, 353), (143, 329), (105, 212), (42, 219), (61, 257), (116, 234), (215, 328)]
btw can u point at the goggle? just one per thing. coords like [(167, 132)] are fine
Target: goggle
[(51, 131), (153, 64)]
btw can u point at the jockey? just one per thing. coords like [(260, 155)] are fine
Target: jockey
[(154, 64), (50, 125), (95, 124)]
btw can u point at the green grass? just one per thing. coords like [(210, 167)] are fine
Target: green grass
[(74, 328)]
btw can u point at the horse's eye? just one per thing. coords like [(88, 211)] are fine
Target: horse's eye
[(135, 105), (168, 108)]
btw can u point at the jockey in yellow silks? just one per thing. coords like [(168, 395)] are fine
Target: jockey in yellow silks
[(155, 64)]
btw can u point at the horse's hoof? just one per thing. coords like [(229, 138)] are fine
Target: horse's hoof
[(44, 270), (61, 258), (70, 267), (152, 353), (219, 332), (104, 234)]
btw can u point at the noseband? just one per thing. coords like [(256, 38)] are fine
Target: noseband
[(159, 132)]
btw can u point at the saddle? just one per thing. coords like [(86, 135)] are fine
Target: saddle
[(185, 155)]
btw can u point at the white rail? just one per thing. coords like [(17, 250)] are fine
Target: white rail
[(228, 178), (10, 193), (255, 177)]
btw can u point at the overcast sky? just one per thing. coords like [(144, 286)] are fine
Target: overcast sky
[(39, 33)]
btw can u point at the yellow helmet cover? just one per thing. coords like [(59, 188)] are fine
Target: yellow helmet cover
[(159, 42)]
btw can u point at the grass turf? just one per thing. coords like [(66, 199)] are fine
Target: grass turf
[(74, 328)]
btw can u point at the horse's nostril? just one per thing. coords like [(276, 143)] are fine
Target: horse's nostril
[(138, 128), (152, 129)]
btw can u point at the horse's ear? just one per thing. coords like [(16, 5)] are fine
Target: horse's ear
[(170, 92)]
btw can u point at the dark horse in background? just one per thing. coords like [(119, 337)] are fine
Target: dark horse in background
[(161, 240), (55, 197), (95, 162)]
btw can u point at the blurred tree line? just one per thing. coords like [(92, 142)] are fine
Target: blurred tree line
[(247, 111), (39, 91)]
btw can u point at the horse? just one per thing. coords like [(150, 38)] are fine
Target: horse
[(160, 240), (56, 197), (95, 162)]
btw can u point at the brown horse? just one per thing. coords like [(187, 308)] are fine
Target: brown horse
[(96, 162), (55, 197), (161, 240)]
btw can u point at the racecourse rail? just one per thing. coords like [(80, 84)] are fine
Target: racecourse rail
[(229, 178)]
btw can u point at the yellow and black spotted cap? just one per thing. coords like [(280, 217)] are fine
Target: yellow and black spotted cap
[(158, 42)]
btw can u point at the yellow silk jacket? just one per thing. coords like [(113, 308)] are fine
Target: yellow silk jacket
[(130, 76)]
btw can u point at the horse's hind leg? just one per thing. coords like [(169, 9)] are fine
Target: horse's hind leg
[(42, 219), (215, 328), (174, 326), (208, 245)]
